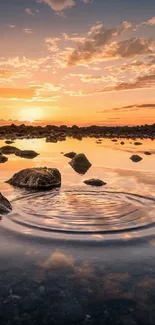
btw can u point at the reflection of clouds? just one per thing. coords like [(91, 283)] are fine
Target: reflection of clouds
[(148, 283), (58, 259)]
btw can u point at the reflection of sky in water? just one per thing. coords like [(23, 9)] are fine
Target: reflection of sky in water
[(78, 207)]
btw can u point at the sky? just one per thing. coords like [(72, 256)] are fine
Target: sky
[(78, 62)]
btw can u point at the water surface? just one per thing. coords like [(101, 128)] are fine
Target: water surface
[(92, 248)]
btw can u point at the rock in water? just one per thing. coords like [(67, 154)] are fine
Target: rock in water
[(29, 154), (147, 153), (37, 178), (95, 182), (9, 141), (5, 205), (71, 154), (136, 158), (80, 163), (8, 150), (137, 143), (3, 159)]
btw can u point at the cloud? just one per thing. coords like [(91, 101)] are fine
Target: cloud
[(86, 78), (29, 11), (24, 62), (146, 81), (135, 107), (75, 38), (100, 45), (150, 22), (59, 5), (17, 93), (52, 44), (5, 74), (11, 26), (27, 30)]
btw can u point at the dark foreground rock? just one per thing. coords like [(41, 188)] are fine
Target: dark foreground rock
[(3, 159), (95, 182), (71, 154), (80, 163), (37, 178), (136, 158), (29, 154), (5, 205), (9, 150)]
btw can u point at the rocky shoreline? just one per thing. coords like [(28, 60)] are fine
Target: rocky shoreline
[(54, 133)]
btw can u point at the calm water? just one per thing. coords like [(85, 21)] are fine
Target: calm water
[(81, 254)]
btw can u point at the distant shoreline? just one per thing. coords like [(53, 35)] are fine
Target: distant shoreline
[(54, 133)]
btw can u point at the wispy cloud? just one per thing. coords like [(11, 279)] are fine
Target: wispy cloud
[(29, 11), (60, 5)]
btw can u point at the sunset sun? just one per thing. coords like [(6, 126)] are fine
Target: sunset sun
[(31, 114)]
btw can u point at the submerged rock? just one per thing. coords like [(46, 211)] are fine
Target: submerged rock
[(8, 150), (71, 154), (147, 153), (136, 158), (95, 182), (80, 163), (29, 154), (5, 205), (3, 159), (37, 178)]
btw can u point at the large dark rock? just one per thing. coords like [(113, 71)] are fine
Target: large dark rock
[(5, 205), (70, 155), (95, 182), (3, 159), (136, 158), (8, 150), (37, 178), (29, 154), (80, 163)]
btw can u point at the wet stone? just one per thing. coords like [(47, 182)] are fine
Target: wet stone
[(136, 158)]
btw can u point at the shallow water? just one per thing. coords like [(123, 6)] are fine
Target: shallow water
[(92, 247)]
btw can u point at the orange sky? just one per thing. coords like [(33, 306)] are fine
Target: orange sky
[(56, 68)]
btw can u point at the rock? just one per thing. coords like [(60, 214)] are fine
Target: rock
[(8, 150), (147, 153), (122, 143), (114, 140), (29, 154), (136, 158), (3, 159), (51, 139), (9, 142), (37, 178), (95, 182), (80, 163), (5, 205), (71, 154), (137, 143)]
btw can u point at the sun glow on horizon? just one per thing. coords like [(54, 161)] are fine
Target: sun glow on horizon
[(31, 114)]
